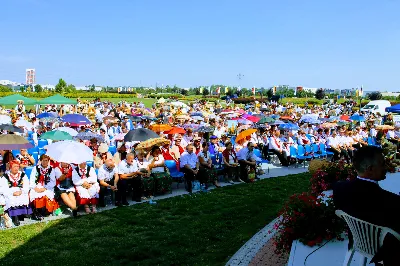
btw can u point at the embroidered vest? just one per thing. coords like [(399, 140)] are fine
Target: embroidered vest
[(19, 183), (40, 178)]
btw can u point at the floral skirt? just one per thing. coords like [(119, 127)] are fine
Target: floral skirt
[(45, 202), (163, 182)]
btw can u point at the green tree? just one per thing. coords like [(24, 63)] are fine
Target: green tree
[(5, 89), (205, 92), (184, 92), (92, 88), (38, 88), (70, 88), (61, 86), (270, 93), (376, 95), (320, 94)]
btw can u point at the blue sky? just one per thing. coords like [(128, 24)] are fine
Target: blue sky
[(312, 43)]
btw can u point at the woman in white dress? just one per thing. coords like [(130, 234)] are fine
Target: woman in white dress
[(42, 184), (85, 180), (14, 186)]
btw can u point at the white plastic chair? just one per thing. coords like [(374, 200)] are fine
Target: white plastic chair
[(368, 238)]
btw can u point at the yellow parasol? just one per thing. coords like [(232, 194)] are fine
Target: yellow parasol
[(384, 127), (245, 133), (147, 144), (160, 127)]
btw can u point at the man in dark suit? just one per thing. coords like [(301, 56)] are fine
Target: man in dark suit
[(364, 199)]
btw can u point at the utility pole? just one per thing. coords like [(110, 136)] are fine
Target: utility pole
[(240, 76)]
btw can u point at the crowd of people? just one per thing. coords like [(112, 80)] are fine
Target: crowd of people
[(212, 142)]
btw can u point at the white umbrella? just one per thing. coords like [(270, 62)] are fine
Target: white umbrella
[(24, 123), (68, 151), (197, 118), (5, 119), (161, 100), (69, 130)]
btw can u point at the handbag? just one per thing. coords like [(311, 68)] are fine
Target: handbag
[(7, 221)]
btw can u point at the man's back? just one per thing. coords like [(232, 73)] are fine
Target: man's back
[(367, 201)]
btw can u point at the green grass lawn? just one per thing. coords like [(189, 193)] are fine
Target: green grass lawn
[(202, 229)]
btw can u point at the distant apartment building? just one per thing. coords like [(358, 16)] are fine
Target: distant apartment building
[(30, 76)]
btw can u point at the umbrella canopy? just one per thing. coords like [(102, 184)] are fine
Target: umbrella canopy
[(242, 135), (204, 129), (384, 127), (357, 118), (278, 122), (308, 117), (46, 115), (198, 118), (286, 118), (197, 114), (56, 135), (57, 99), (5, 119), (275, 116), (24, 123), (160, 127), (148, 144), (342, 123), (179, 104), (11, 128), (135, 118), (253, 118), (244, 121), (146, 117), (76, 120), (266, 120), (344, 117), (14, 98), (88, 136), (110, 118), (289, 126), (176, 130), (69, 130), (328, 125), (14, 142), (68, 151), (140, 134)]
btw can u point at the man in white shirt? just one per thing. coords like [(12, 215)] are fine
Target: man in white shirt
[(108, 180), (128, 174), (189, 166), (246, 160)]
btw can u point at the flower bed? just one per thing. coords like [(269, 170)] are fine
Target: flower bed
[(308, 219), (328, 174)]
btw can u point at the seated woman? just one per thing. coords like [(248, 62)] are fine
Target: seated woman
[(142, 164), (85, 180), (108, 179), (42, 185), (14, 186), (231, 163), (162, 179), (7, 157), (120, 155), (64, 186), (207, 173), (25, 158)]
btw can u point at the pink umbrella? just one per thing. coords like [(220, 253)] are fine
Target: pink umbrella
[(253, 119)]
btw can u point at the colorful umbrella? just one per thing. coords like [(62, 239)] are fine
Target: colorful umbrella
[(245, 133), (69, 151), (89, 135), (344, 117), (49, 114), (69, 130), (11, 128), (5, 119), (286, 118), (147, 144), (253, 118), (357, 118), (56, 135), (76, 120), (140, 134), (266, 120), (120, 136), (204, 129), (176, 130), (182, 117), (160, 127), (14, 142)]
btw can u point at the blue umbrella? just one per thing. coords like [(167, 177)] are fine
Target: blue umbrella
[(197, 114), (89, 135), (278, 122), (289, 126), (274, 116), (76, 120), (45, 115), (357, 118)]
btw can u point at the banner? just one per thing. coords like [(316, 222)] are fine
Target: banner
[(226, 90), (253, 90), (218, 90)]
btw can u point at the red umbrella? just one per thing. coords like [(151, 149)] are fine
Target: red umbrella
[(345, 117), (253, 119), (176, 130), (286, 118)]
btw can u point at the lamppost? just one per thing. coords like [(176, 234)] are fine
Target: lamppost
[(240, 76)]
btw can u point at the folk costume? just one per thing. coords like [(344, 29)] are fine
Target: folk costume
[(87, 174), (41, 177)]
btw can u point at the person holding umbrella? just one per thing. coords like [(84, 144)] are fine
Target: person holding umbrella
[(64, 188), (85, 180)]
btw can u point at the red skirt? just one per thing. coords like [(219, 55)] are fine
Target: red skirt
[(82, 201), (45, 202)]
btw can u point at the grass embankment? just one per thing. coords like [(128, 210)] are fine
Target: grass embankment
[(202, 229)]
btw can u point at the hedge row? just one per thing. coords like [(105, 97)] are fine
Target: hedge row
[(73, 95)]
